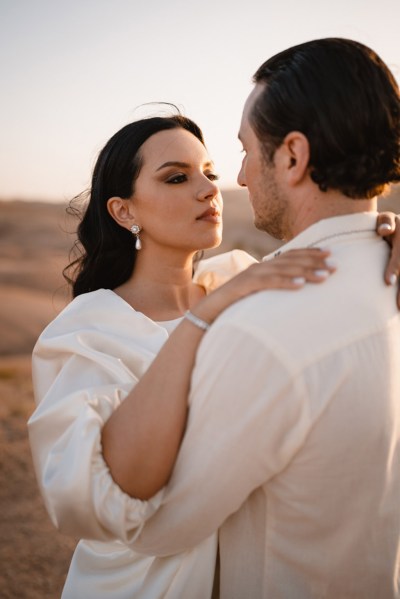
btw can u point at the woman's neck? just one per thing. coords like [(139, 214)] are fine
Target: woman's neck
[(161, 288)]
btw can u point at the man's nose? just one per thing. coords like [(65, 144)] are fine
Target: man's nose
[(241, 178)]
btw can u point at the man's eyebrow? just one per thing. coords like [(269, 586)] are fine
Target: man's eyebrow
[(181, 164)]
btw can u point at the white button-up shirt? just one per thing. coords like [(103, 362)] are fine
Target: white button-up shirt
[(292, 446)]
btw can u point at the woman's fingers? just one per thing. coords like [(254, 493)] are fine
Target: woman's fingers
[(313, 264), (291, 270), (385, 223), (309, 258), (388, 226)]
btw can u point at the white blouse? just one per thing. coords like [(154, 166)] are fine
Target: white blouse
[(84, 365)]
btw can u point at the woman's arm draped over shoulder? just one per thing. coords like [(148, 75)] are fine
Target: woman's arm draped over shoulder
[(141, 439)]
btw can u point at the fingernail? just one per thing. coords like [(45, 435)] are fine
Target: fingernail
[(299, 280), (330, 263), (393, 279), (321, 273), (384, 227)]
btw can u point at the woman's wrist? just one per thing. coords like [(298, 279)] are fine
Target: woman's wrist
[(211, 306), (198, 322)]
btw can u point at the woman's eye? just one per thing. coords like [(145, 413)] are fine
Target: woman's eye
[(177, 179), (212, 176)]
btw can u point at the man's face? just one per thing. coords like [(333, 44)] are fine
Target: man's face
[(259, 175)]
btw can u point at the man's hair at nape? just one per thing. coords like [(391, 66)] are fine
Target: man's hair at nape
[(345, 100)]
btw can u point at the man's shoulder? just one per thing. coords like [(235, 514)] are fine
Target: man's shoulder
[(268, 319), (353, 303)]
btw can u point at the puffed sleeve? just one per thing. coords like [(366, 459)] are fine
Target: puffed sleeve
[(82, 371), (213, 272)]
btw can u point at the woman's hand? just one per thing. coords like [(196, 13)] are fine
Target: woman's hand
[(388, 226), (156, 408), (290, 270)]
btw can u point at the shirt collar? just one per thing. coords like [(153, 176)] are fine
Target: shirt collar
[(324, 232)]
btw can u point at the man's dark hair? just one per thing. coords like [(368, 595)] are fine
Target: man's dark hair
[(345, 100)]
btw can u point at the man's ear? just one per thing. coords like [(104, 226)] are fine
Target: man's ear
[(296, 151), (121, 210)]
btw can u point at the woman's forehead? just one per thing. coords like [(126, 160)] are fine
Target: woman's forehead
[(173, 145)]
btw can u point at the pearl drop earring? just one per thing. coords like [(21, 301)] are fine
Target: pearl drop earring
[(135, 230)]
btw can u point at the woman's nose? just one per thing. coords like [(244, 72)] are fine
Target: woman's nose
[(209, 190)]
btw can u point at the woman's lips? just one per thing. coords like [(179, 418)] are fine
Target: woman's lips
[(211, 215)]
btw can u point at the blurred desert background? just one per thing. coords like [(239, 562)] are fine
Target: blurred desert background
[(35, 239)]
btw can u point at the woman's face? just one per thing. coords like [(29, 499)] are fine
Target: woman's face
[(176, 200)]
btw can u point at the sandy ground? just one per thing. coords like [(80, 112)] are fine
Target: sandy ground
[(34, 244), (34, 557)]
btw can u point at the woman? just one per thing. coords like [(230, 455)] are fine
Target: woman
[(110, 413)]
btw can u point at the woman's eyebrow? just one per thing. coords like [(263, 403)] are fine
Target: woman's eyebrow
[(174, 163), (181, 164)]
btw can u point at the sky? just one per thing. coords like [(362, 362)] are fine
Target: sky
[(73, 73)]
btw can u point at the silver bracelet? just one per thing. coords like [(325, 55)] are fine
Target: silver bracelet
[(198, 322)]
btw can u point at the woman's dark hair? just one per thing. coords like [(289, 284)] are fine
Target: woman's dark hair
[(345, 100), (106, 250)]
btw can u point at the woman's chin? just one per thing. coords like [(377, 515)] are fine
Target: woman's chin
[(216, 242)]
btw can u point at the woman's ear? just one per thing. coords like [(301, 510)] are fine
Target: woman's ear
[(297, 150), (122, 211)]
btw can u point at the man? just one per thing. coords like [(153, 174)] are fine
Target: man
[(292, 446)]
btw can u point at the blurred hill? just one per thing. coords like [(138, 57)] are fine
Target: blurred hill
[(35, 239)]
